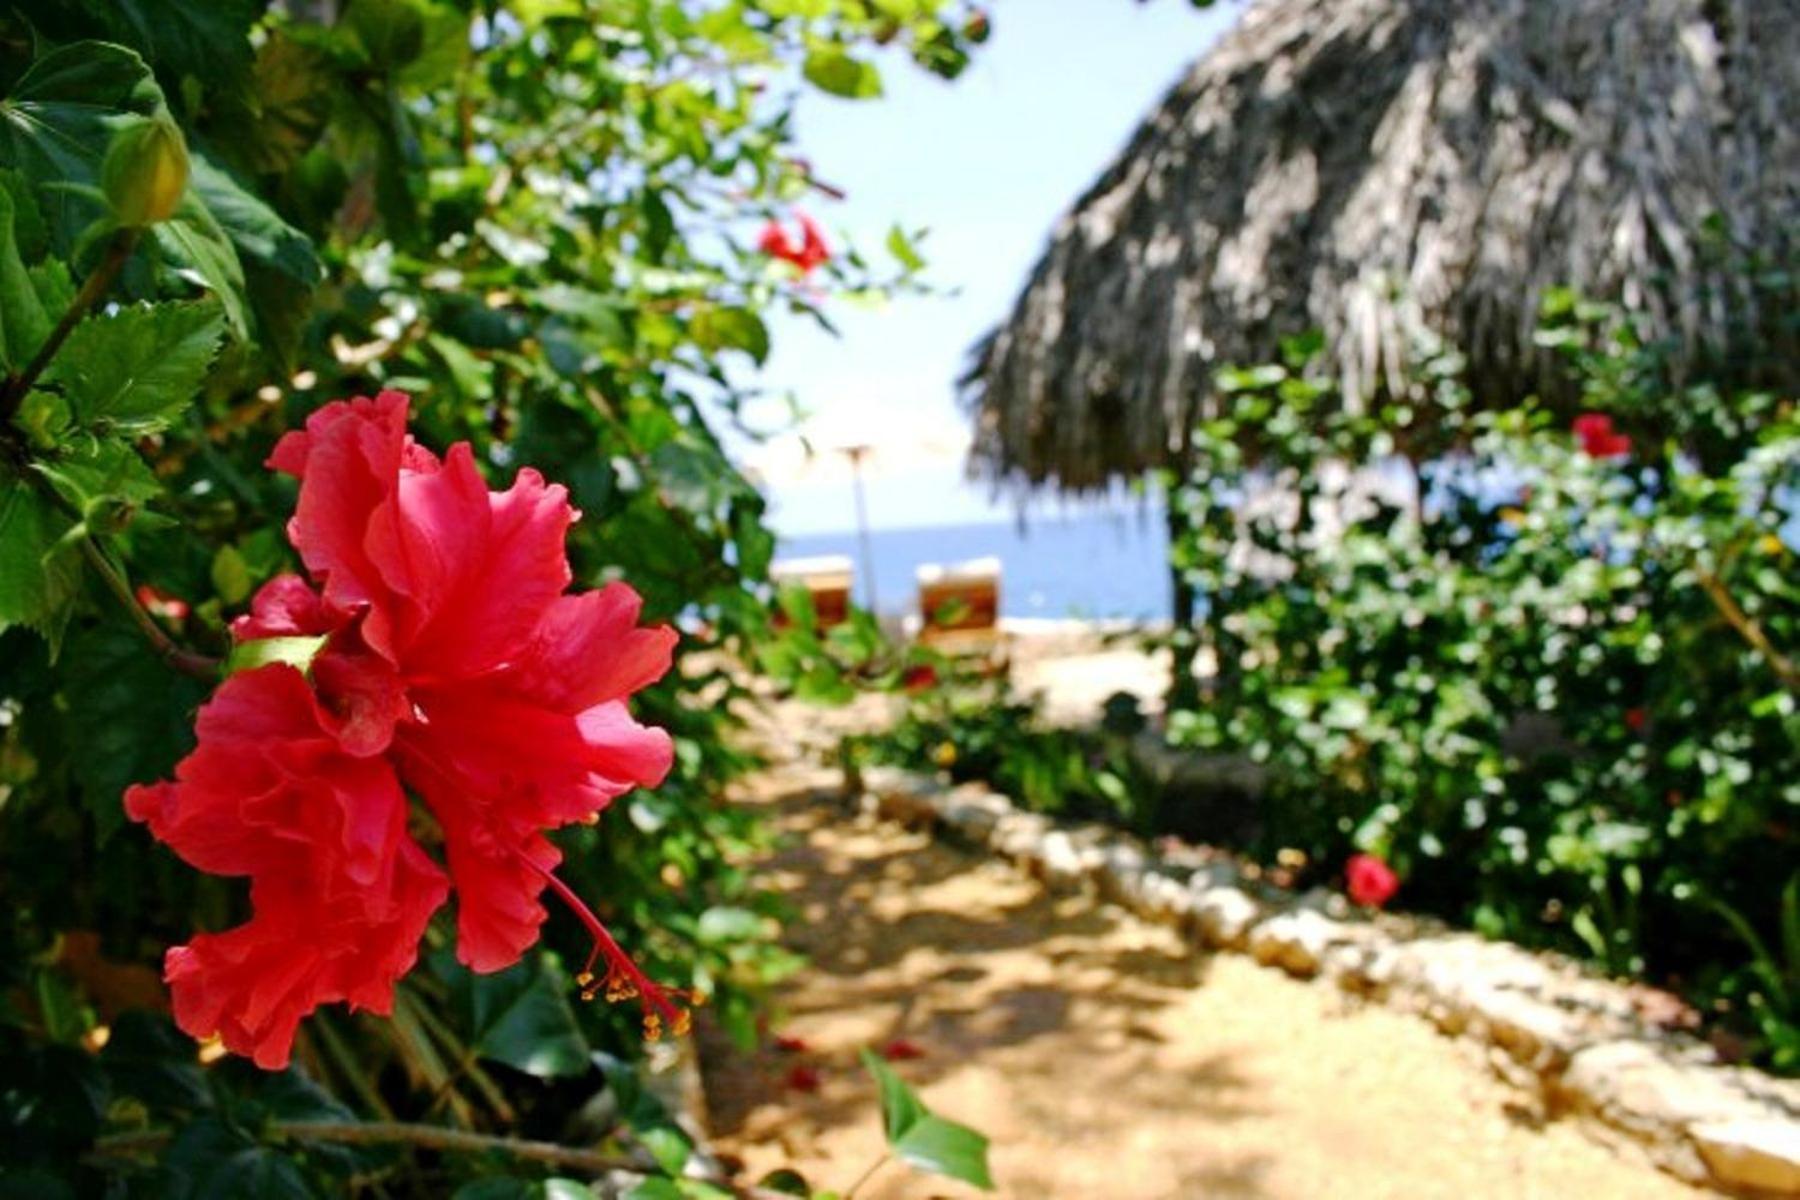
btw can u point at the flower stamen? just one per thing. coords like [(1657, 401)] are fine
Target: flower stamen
[(623, 980)]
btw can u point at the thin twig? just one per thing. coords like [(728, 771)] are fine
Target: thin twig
[(1748, 628), (397, 1133), (118, 252), (178, 657), (867, 1175)]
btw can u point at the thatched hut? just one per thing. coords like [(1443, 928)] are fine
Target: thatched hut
[(1364, 167)]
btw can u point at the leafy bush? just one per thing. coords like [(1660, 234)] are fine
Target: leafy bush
[(1548, 676)]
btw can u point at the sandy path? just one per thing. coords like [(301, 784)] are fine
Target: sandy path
[(1103, 1057)]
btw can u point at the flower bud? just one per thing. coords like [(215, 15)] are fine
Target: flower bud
[(145, 172)]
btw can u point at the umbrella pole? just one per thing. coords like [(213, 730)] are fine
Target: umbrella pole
[(856, 455)]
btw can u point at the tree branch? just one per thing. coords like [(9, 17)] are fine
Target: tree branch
[(389, 1133), (1748, 628), (176, 656)]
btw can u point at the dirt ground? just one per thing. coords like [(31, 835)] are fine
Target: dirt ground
[(1102, 1056)]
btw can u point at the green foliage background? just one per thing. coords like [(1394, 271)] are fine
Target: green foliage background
[(536, 216)]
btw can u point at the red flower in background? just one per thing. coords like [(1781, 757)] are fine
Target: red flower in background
[(902, 1050), (1370, 881), (454, 666), (159, 603), (1597, 437), (803, 1078), (920, 678), (1637, 719), (811, 253)]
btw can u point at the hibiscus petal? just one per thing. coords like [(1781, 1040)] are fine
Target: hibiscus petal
[(339, 894), (252, 985), (588, 650), (364, 693), (286, 606), (480, 568), (496, 771), (348, 461)]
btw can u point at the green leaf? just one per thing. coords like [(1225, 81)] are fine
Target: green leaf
[(922, 1139), (39, 576), (135, 369), (58, 121), (785, 1180), (208, 39), (24, 322), (147, 1058), (901, 1107), (105, 481), (211, 1158), (202, 253), (946, 1148), (830, 69), (667, 1146), (296, 652), (903, 248), (129, 716), (231, 576), (279, 264), (655, 1188), (521, 1017), (731, 329), (725, 924)]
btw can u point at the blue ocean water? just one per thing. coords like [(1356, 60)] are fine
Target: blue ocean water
[(1087, 565)]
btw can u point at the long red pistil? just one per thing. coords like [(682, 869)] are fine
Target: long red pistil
[(623, 980)]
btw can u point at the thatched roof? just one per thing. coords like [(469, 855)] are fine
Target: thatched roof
[(1356, 166)]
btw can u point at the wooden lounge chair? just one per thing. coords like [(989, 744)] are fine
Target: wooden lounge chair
[(827, 578), (959, 608)]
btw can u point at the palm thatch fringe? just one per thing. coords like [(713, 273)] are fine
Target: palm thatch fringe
[(1369, 168)]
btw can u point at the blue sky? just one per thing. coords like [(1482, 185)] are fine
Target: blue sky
[(987, 163)]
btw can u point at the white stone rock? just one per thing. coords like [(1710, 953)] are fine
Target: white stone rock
[(1165, 898), (974, 813), (1654, 1094), (1018, 835), (1532, 1030), (1225, 916), (1762, 1156), (1296, 940), (1062, 861)]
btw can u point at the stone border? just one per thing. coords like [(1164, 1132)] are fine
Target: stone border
[(1575, 1041)]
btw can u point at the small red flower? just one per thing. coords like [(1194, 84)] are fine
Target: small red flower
[(790, 1045), (159, 603), (919, 678), (811, 253), (1637, 719), (902, 1050), (1370, 881), (455, 668), (1598, 438), (802, 1078)]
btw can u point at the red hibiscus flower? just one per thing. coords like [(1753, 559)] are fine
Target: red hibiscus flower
[(1597, 437), (1370, 882), (811, 253), (454, 666)]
